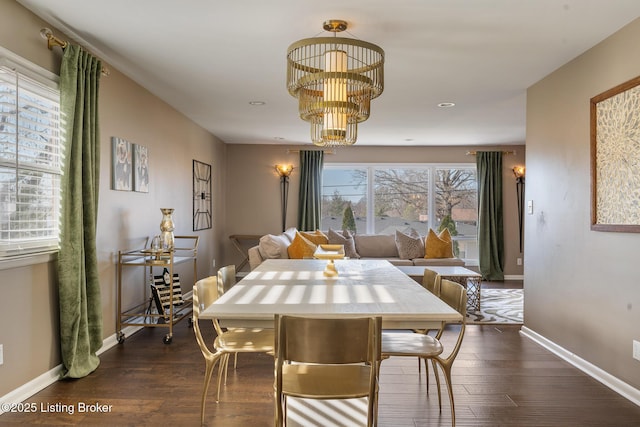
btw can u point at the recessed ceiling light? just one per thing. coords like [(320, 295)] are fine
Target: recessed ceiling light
[(279, 138), (446, 104), (257, 103)]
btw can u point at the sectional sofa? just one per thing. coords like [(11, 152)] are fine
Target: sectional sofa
[(401, 249)]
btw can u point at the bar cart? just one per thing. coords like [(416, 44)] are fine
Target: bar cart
[(185, 251)]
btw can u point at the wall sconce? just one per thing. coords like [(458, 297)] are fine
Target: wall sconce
[(284, 171), (518, 172)]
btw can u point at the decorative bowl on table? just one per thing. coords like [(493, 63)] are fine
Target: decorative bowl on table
[(329, 252)]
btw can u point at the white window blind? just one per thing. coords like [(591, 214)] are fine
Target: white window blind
[(30, 161)]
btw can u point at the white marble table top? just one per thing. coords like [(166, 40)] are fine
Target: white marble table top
[(299, 287)]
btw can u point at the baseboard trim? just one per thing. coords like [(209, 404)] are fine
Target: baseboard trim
[(43, 381), (32, 387), (615, 384), (514, 277)]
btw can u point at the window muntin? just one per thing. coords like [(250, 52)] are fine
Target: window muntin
[(30, 159)]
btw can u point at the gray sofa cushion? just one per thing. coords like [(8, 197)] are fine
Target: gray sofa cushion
[(376, 246), (399, 261)]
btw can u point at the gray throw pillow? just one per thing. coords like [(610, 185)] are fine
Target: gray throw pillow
[(336, 238), (409, 245)]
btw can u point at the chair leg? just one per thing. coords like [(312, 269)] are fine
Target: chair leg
[(447, 376), (435, 372), (281, 410), (210, 365), (372, 411), (426, 373), (226, 368), (235, 361), (221, 372)]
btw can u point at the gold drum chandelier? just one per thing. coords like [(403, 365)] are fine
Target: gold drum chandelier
[(334, 79)]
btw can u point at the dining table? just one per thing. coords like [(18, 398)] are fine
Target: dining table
[(302, 287)]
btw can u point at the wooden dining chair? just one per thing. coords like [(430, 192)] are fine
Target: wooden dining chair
[(431, 348), (237, 340), (326, 358)]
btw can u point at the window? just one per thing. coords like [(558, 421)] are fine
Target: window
[(344, 188), (30, 157), (386, 198)]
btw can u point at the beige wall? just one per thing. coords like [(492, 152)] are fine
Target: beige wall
[(581, 286), (253, 197), (28, 307)]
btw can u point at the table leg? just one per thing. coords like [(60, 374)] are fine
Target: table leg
[(472, 285), (474, 292)]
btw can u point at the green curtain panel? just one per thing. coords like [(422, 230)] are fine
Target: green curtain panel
[(78, 284), (310, 195), (490, 228)]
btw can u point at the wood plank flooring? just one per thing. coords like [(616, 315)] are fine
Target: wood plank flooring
[(500, 379)]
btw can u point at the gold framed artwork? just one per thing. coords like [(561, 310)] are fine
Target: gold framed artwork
[(201, 196), (615, 159)]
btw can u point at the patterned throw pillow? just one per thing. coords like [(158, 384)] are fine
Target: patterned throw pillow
[(438, 245), (317, 237), (301, 248), (410, 245), (336, 238)]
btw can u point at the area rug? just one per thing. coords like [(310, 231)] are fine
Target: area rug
[(498, 306)]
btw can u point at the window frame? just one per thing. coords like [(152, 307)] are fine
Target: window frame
[(34, 254), (431, 167)]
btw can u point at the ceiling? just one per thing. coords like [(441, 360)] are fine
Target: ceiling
[(210, 59)]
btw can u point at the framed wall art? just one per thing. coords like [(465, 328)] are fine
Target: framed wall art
[(140, 168), (615, 159), (122, 168), (202, 203)]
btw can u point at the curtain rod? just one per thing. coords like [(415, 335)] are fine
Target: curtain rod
[(473, 153), (53, 41), (325, 151)]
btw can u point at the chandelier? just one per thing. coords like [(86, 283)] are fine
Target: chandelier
[(334, 79)]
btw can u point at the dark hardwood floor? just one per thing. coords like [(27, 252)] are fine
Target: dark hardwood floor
[(500, 379)]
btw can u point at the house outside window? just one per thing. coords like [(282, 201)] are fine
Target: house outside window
[(386, 198), (30, 158)]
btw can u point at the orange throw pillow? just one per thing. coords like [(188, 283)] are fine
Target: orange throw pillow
[(301, 248), (438, 245), (317, 237)]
